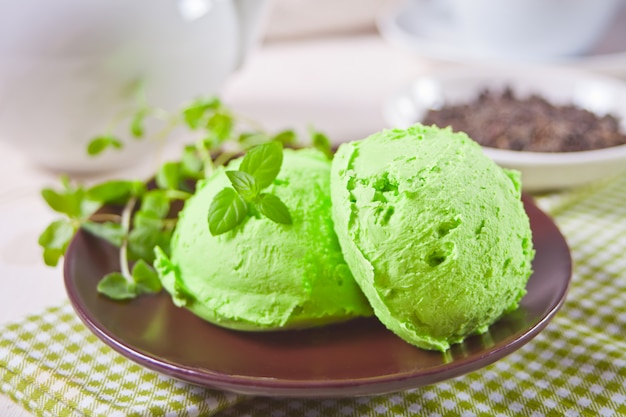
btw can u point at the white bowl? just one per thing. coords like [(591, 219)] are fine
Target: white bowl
[(540, 171), (72, 70)]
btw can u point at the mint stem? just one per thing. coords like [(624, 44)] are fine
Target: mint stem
[(177, 194), (127, 214), (207, 160), (105, 217), (224, 157)]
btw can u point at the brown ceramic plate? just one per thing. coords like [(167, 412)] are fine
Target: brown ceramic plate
[(359, 357)]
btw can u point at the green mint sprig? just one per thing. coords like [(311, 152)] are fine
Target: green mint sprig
[(212, 122), (321, 142), (258, 170), (150, 228), (141, 222), (129, 283)]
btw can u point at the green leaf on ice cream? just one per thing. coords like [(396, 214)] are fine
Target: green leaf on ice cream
[(274, 209), (244, 183), (228, 209), (263, 162), (258, 170)]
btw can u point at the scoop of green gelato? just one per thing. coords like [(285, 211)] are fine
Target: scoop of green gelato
[(263, 275), (434, 232)]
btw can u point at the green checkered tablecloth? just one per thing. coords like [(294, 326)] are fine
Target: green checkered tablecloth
[(53, 366)]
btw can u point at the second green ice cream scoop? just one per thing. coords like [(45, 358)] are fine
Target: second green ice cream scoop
[(434, 232)]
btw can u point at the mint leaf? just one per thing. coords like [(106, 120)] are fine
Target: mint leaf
[(115, 191), (146, 278), (136, 124), (195, 112), (191, 164), (169, 176), (274, 209), (286, 137), (221, 126), (101, 143), (67, 202), (244, 183), (147, 233), (156, 202), (147, 219), (228, 209), (55, 239), (322, 143), (71, 201), (263, 162), (109, 231), (115, 286), (250, 139)]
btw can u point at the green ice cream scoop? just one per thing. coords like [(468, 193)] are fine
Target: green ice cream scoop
[(263, 275), (433, 231)]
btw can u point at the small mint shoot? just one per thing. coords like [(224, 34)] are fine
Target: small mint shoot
[(146, 278), (101, 143), (149, 230), (117, 287), (55, 239), (197, 111), (169, 176), (115, 191), (321, 142), (191, 163), (66, 202), (156, 202), (286, 137), (73, 202), (220, 126), (249, 140), (112, 232), (137, 123)]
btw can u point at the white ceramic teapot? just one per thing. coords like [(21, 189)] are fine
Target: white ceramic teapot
[(69, 68)]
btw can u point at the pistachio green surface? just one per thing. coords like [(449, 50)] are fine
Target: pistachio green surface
[(263, 275), (433, 231)]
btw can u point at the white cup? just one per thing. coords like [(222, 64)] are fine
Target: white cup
[(530, 28), (69, 68)]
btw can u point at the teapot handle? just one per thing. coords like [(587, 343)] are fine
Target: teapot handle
[(251, 14)]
